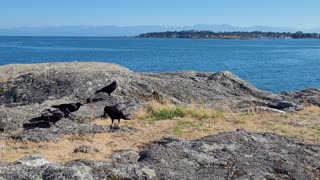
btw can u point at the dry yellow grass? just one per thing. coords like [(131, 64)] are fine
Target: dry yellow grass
[(186, 122)]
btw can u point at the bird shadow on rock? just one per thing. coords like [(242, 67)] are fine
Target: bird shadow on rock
[(36, 123)]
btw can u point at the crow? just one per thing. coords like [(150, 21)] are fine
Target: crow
[(114, 113), (67, 109), (108, 89), (50, 116)]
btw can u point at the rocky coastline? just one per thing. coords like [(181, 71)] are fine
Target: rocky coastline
[(27, 89)]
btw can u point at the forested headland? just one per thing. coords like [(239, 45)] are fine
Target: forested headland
[(192, 34)]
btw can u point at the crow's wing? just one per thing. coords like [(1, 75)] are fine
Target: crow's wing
[(112, 87), (114, 112), (57, 115), (57, 112), (71, 107), (46, 114), (60, 106)]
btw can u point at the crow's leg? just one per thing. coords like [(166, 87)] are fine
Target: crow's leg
[(104, 115), (71, 116), (66, 113), (111, 127), (51, 124), (54, 124), (69, 113), (118, 122)]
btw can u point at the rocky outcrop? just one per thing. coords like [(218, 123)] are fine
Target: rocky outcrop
[(229, 155), (65, 83), (307, 96), (26, 90)]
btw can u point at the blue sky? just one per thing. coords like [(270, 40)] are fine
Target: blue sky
[(287, 13)]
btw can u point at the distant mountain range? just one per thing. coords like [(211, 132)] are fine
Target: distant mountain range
[(134, 30)]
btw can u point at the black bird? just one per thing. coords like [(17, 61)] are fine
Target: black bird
[(52, 116), (49, 116), (108, 89), (67, 109), (114, 113)]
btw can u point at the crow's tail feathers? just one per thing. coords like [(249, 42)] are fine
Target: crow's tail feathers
[(98, 91), (55, 106), (37, 119)]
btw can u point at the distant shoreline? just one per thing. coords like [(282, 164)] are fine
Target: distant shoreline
[(235, 35), (157, 35), (142, 36)]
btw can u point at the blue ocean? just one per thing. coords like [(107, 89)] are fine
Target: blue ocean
[(272, 65)]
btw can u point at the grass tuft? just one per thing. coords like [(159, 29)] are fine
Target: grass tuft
[(158, 111), (168, 113)]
